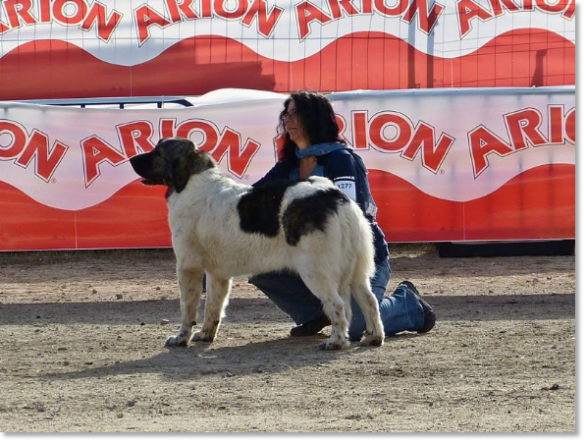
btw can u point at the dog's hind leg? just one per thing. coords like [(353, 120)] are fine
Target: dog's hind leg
[(375, 333), (218, 291), (347, 297), (190, 287), (324, 288)]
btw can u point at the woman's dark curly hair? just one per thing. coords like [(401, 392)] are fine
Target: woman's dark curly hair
[(317, 116)]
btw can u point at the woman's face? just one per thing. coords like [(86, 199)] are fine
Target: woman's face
[(294, 127)]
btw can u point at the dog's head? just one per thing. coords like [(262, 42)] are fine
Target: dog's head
[(171, 163)]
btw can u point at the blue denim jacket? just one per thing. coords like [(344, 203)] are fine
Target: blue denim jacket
[(364, 197)]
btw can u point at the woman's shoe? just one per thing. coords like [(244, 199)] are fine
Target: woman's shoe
[(428, 314), (312, 327)]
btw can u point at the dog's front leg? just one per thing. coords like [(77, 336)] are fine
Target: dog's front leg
[(218, 290), (190, 287)]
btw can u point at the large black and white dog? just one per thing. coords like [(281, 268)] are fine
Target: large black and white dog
[(228, 229)]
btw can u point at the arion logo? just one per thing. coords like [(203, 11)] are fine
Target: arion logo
[(226, 144), (394, 132), (526, 127)]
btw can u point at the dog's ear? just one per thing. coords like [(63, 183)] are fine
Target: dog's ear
[(203, 162), (180, 174)]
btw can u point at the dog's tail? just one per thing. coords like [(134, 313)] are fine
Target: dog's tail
[(363, 247)]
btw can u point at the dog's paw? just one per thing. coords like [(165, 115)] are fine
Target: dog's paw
[(372, 340), (202, 336), (333, 345), (176, 341)]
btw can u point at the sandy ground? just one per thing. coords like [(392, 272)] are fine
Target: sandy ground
[(82, 339)]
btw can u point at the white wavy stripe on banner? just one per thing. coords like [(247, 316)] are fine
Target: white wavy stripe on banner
[(253, 115), (284, 43)]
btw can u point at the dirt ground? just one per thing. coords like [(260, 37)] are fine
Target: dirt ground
[(82, 338)]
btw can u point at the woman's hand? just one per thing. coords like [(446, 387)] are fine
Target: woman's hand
[(306, 167)]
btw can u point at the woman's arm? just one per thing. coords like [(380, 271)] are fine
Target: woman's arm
[(341, 168)]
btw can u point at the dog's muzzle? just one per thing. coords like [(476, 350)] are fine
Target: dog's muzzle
[(143, 166)]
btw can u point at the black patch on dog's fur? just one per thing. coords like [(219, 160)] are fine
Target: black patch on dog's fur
[(259, 208), (308, 214)]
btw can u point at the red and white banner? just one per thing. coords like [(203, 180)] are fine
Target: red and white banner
[(445, 165), (90, 48)]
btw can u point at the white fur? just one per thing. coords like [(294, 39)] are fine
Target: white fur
[(206, 234)]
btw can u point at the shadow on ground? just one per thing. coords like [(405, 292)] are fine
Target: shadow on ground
[(479, 308)]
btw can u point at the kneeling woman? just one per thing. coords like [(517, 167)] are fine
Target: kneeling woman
[(313, 147)]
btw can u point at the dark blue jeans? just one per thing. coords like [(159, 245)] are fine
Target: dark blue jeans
[(400, 311)]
